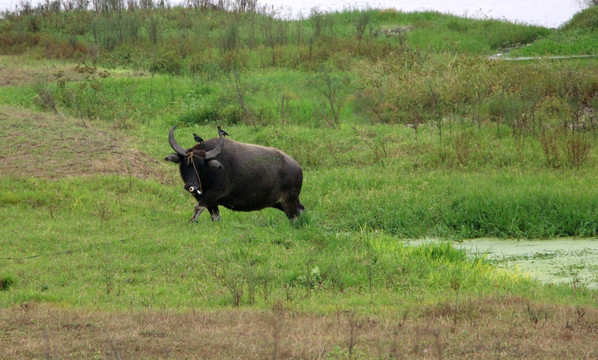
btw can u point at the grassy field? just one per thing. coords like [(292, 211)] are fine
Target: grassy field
[(404, 128)]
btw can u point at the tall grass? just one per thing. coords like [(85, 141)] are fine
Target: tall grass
[(190, 39), (463, 205)]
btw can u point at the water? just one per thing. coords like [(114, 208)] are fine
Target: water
[(548, 13), (560, 261)]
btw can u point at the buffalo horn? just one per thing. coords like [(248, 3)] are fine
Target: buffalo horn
[(215, 151), (175, 146)]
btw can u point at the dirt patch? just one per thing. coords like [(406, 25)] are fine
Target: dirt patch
[(17, 77), (22, 70), (13, 73), (53, 146), (483, 328)]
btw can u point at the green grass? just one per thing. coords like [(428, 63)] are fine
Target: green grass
[(461, 205), (106, 242), (432, 140), (576, 37)]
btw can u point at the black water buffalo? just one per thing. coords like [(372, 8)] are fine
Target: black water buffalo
[(238, 176)]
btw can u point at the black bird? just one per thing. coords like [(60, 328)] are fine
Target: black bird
[(220, 131), (197, 138)]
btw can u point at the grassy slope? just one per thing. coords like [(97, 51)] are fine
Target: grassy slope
[(112, 235), (118, 241), (576, 37)]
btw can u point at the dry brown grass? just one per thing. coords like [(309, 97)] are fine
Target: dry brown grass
[(53, 146), (22, 70), (487, 328), (10, 76)]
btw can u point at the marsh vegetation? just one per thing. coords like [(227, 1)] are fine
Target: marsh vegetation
[(405, 130)]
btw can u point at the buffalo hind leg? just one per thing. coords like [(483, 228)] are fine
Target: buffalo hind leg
[(214, 212)]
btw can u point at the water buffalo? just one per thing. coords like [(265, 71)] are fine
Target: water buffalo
[(238, 176)]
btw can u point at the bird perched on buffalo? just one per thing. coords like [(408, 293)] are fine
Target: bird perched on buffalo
[(197, 138), (220, 131)]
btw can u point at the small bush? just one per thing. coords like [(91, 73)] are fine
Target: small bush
[(233, 114), (167, 63), (202, 115), (5, 283), (565, 148), (578, 147)]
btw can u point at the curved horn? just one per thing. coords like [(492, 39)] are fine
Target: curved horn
[(215, 151), (175, 146)]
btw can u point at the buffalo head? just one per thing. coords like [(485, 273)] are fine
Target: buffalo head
[(192, 162)]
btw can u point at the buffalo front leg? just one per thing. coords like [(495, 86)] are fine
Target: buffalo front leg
[(196, 212), (208, 201)]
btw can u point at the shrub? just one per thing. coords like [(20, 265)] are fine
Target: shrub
[(577, 148), (167, 63), (204, 114), (232, 114), (565, 148), (5, 283), (111, 31)]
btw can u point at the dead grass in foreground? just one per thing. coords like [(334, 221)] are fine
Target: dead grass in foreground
[(52, 146), (485, 328)]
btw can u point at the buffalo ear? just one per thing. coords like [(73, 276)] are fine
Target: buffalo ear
[(175, 158), (215, 164)]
